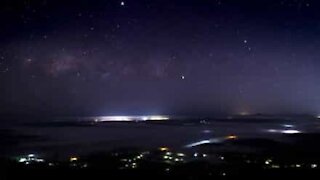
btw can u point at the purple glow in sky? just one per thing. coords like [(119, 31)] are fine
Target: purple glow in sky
[(159, 57)]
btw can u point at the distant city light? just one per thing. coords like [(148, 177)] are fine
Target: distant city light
[(22, 160), (287, 131), (130, 118), (30, 158), (116, 118), (73, 159), (50, 164), (268, 161), (314, 166), (272, 130), (157, 118), (164, 148), (291, 132), (274, 166), (232, 137), (288, 125), (31, 155), (204, 155)]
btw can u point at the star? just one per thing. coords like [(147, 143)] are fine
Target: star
[(182, 77), (122, 3)]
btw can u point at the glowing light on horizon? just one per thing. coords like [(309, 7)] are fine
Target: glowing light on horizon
[(157, 118), (272, 130), (232, 137), (290, 131), (131, 118), (116, 118), (164, 149), (244, 113), (73, 159)]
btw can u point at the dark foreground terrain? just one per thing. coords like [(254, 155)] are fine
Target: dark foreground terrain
[(233, 159)]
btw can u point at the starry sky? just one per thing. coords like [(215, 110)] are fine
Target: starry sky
[(179, 57)]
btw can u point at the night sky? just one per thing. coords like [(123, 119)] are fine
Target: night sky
[(179, 57)]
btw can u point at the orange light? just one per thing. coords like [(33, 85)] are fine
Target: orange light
[(232, 137), (73, 159), (164, 148)]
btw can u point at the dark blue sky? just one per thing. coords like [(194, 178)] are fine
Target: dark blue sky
[(199, 57)]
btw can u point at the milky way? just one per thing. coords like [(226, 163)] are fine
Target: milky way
[(159, 56)]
